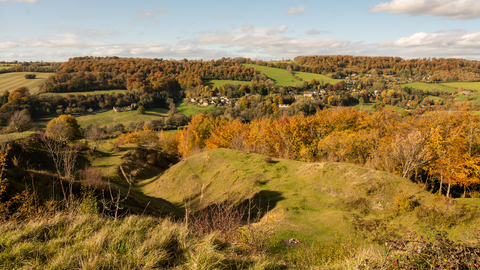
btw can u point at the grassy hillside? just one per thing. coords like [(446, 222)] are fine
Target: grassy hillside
[(465, 85), (281, 77), (421, 86), (98, 92), (10, 81), (219, 83), (308, 76), (112, 117), (310, 201)]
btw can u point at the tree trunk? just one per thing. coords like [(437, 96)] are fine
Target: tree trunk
[(441, 183)]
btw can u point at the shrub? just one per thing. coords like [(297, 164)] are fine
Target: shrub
[(268, 160), (141, 110)]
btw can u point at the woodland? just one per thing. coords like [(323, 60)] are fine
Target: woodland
[(376, 115)]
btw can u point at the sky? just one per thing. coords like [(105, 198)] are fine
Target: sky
[(56, 30)]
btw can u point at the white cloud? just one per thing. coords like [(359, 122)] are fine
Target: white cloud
[(314, 32), (296, 11), (18, 55), (68, 41), (247, 27), (450, 9), (279, 30), (8, 45), (24, 1), (437, 40), (261, 44)]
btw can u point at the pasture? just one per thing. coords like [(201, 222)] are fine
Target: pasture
[(465, 85), (4, 66), (429, 86), (98, 92), (218, 83), (111, 117), (11, 81), (192, 109), (319, 77), (281, 77)]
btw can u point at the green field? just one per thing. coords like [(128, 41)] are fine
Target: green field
[(192, 109), (365, 107), (465, 85), (422, 86), (11, 81), (98, 92), (111, 117), (218, 83), (281, 77), (308, 76)]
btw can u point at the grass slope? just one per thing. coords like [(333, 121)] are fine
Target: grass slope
[(192, 109), (308, 76), (219, 83), (281, 77), (10, 81), (421, 86), (112, 117), (465, 85), (306, 200), (98, 92)]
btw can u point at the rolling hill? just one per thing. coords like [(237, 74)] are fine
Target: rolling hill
[(320, 201)]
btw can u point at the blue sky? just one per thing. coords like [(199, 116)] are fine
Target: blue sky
[(54, 30)]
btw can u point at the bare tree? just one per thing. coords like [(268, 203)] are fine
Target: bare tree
[(64, 160), (94, 134), (20, 120), (114, 204)]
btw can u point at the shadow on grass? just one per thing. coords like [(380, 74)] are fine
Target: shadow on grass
[(262, 202)]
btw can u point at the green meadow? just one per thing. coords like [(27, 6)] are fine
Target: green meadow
[(11, 81), (281, 77), (192, 109), (218, 83), (111, 117), (464, 85), (308, 76), (422, 86), (98, 92)]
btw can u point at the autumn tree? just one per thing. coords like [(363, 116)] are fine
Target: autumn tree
[(63, 128)]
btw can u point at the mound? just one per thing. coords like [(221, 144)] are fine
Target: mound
[(306, 200)]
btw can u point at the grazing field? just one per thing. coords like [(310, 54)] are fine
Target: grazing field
[(308, 76), (421, 86), (4, 66), (192, 109), (281, 77), (98, 92), (218, 83), (11, 81), (365, 107), (465, 85), (111, 117)]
